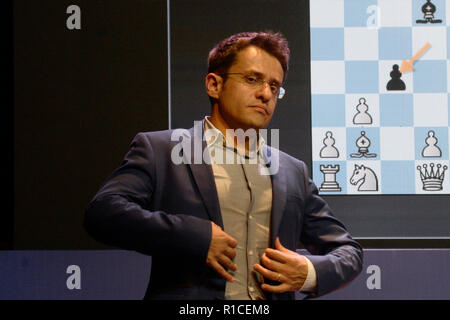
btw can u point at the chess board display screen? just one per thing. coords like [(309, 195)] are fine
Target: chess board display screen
[(380, 96)]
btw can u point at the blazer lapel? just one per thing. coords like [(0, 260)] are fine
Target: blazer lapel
[(203, 174), (278, 192)]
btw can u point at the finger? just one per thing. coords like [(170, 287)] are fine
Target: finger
[(279, 246), (227, 263), (266, 273), (276, 255), (275, 289), (232, 242), (221, 271), (230, 253), (271, 264)]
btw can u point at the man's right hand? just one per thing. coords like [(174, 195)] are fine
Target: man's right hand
[(221, 252)]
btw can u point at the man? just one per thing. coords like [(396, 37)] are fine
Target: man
[(219, 229)]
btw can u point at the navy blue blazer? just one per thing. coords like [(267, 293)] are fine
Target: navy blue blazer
[(159, 208)]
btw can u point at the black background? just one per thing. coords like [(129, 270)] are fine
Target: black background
[(80, 96)]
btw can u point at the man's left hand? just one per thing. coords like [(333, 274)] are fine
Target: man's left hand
[(284, 266)]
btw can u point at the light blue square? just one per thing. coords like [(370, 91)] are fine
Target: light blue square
[(328, 110), (355, 12), (395, 43), (396, 110), (448, 42), (361, 77), (430, 76), (398, 177), (341, 176), (439, 14), (420, 136), (372, 134), (327, 43)]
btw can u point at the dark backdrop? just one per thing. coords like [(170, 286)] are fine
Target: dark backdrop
[(80, 96)]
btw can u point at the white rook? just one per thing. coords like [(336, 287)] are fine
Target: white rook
[(329, 178)]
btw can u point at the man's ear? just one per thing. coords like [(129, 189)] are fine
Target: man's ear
[(213, 84)]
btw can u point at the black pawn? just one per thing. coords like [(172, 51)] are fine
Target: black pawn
[(395, 83)]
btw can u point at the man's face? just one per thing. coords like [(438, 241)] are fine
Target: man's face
[(244, 106)]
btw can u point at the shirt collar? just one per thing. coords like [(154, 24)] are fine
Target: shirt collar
[(215, 137)]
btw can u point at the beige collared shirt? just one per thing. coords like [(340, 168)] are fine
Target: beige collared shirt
[(244, 191)]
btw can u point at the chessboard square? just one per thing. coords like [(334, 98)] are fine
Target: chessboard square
[(430, 110), (396, 110), (327, 77), (447, 12), (398, 177), (426, 149), (430, 76), (385, 70), (327, 44), (362, 118), (356, 12), (373, 149), (328, 110), (371, 181), (393, 13), (340, 176), (361, 76), (448, 77), (326, 13), (397, 143), (321, 151), (361, 44), (395, 43), (448, 42), (436, 36), (430, 169), (439, 14)]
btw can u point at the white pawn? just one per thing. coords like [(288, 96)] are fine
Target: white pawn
[(362, 117), (329, 151), (431, 150)]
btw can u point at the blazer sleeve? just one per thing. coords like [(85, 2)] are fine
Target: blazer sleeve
[(119, 215), (336, 257)]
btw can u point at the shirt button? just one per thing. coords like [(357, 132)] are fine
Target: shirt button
[(250, 252)]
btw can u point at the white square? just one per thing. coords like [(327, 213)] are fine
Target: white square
[(421, 173), (319, 134), (430, 109), (436, 36), (361, 44), (397, 143), (395, 13), (372, 168), (326, 13), (359, 118), (327, 77), (447, 14), (385, 68)]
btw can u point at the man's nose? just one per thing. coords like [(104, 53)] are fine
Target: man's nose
[(264, 92)]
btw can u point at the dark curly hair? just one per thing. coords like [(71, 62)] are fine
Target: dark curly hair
[(222, 56)]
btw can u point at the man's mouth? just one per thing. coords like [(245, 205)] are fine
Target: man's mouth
[(261, 109)]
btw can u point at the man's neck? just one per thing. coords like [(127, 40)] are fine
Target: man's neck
[(220, 124)]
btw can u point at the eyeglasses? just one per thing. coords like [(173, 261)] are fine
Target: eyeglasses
[(254, 81)]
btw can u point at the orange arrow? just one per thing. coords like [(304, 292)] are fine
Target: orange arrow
[(408, 65)]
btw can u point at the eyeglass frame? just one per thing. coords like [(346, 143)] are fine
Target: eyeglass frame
[(258, 81)]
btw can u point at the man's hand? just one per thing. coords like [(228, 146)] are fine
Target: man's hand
[(284, 266), (221, 252)]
